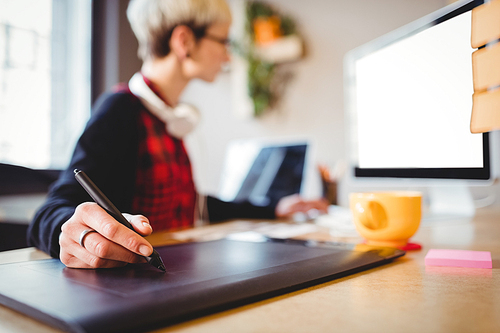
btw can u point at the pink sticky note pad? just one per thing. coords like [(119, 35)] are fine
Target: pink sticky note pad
[(458, 258)]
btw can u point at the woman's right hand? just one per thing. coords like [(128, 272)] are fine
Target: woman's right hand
[(111, 245)]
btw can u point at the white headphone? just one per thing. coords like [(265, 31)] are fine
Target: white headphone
[(179, 121)]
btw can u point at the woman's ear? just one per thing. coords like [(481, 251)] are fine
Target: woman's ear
[(182, 41)]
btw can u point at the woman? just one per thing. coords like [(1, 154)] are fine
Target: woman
[(132, 146)]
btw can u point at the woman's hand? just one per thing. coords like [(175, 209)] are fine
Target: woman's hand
[(111, 245), (288, 206)]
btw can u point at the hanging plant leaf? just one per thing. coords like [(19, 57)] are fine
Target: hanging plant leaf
[(264, 25)]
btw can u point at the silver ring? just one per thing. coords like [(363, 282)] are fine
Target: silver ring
[(83, 235)]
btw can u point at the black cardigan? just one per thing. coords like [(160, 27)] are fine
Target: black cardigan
[(107, 152)]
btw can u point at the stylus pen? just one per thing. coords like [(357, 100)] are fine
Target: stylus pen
[(108, 206)]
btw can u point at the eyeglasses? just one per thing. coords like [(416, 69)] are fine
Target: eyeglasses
[(223, 41)]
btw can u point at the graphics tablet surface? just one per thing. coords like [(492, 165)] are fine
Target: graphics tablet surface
[(201, 278)]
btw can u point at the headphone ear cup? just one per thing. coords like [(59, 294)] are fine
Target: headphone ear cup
[(184, 118), (179, 121)]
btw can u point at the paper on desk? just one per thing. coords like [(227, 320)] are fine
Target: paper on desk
[(212, 232), (339, 221), (269, 229), (285, 230), (274, 230)]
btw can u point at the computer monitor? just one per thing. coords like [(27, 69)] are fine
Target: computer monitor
[(409, 101)]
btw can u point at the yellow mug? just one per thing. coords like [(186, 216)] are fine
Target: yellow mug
[(386, 218)]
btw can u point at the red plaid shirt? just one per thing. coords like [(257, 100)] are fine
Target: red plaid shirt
[(165, 191)]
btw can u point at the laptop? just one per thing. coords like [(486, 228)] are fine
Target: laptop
[(201, 278), (262, 172)]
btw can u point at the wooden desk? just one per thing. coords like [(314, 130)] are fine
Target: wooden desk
[(404, 296)]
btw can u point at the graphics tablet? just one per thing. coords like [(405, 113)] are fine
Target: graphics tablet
[(201, 278)]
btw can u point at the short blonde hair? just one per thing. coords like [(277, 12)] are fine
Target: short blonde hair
[(154, 20)]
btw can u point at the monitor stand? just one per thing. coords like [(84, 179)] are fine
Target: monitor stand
[(450, 202)]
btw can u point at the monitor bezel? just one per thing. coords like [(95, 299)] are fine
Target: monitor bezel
[(442, 15)]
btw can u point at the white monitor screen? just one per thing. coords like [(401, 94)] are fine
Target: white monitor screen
[(412, 99)]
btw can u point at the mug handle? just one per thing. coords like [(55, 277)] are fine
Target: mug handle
[(371, 214)]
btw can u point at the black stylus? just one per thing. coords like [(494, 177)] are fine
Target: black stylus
[(108, 206)]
